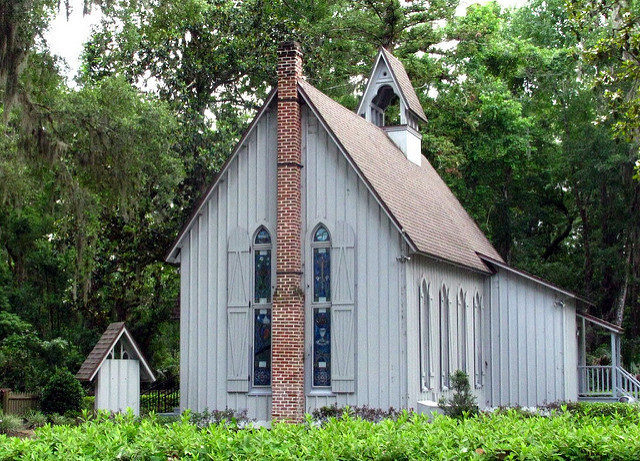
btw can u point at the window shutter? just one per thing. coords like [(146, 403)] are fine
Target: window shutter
[(238, 309), (343, 310)]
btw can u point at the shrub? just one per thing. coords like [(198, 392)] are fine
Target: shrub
[(598, 409), (61, 420), (463, 403), (35, 419), (9, 423), (88, 402), (206, 417), (363, 412), (500, 435), (62, 393)]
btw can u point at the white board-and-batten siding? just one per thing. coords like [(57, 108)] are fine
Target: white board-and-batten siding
[(335, 196), (533, 348), (367, 312), (437, 274), (244, 199), (118, 386)]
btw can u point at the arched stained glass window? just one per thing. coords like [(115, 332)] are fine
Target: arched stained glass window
[(262, 308), (321, 235), (262, 237), (477, 340), (321, 265), (462, 329), (321, 246), (445, 338), (424, 326), (262, 347), (262, 267)]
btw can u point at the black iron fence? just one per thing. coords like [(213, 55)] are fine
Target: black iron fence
[(159, 400)]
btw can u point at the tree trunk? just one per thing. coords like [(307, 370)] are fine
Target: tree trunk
[(622, 297)]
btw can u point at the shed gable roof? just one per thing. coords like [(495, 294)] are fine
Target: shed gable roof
[(103, 348)]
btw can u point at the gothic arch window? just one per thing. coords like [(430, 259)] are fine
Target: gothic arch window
[(321, 261), (462, 329), (478, 340), (424, 325), (262, 250), (445, 338)]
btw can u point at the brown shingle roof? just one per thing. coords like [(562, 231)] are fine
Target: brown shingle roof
[(114, 331), (419, 200), (404, 84), (100, 351)]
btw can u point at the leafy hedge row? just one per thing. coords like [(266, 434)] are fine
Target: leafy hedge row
[(503, 434)]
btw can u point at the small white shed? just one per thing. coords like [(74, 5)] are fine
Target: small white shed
[(117, 366)]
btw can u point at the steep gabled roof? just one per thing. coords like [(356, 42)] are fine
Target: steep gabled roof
[(425, 209), (104, 346)]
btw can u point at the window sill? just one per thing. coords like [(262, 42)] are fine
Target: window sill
[(320, 393), (260, 392)]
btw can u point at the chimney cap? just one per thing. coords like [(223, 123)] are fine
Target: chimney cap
[(289, 45)]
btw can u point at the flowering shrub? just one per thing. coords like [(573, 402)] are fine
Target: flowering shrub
[(503, 434)]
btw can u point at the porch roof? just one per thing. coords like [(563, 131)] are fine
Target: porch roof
[(601, 323)]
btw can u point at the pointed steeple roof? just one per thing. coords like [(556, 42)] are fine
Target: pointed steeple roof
[(389, 70)]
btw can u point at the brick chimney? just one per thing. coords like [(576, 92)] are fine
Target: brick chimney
[(287, 334)]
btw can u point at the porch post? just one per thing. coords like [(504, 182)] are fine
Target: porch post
[(614, 365), (582, 355)]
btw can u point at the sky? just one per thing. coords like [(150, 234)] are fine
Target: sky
[(66, 37)]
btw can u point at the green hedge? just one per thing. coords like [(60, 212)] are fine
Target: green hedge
[(508, 434)]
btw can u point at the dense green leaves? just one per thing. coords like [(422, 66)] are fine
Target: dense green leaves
[(502, 435), (531, 111)]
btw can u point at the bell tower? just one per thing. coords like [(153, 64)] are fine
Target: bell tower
[(390, 102)]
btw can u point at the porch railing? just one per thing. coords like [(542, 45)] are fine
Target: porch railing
[(606, 381), (595, 381), (628, 384)]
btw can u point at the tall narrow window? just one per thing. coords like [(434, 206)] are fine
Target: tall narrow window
[(477, 340), (424, 325), (262, 309), (462, 330), (445, 335), (321, 249)]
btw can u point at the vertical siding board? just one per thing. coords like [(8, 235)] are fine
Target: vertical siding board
[(559, 348), (212, 330), (271, 168), (261, 173), (497, 339), (540, 349), (504, 343), (532, 365), (185, 304), (202, 305), (372, 304), (193, 319), (385, 283), (523, 363), (221, 297)]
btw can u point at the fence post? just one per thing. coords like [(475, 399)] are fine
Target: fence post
[(5, 397)]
